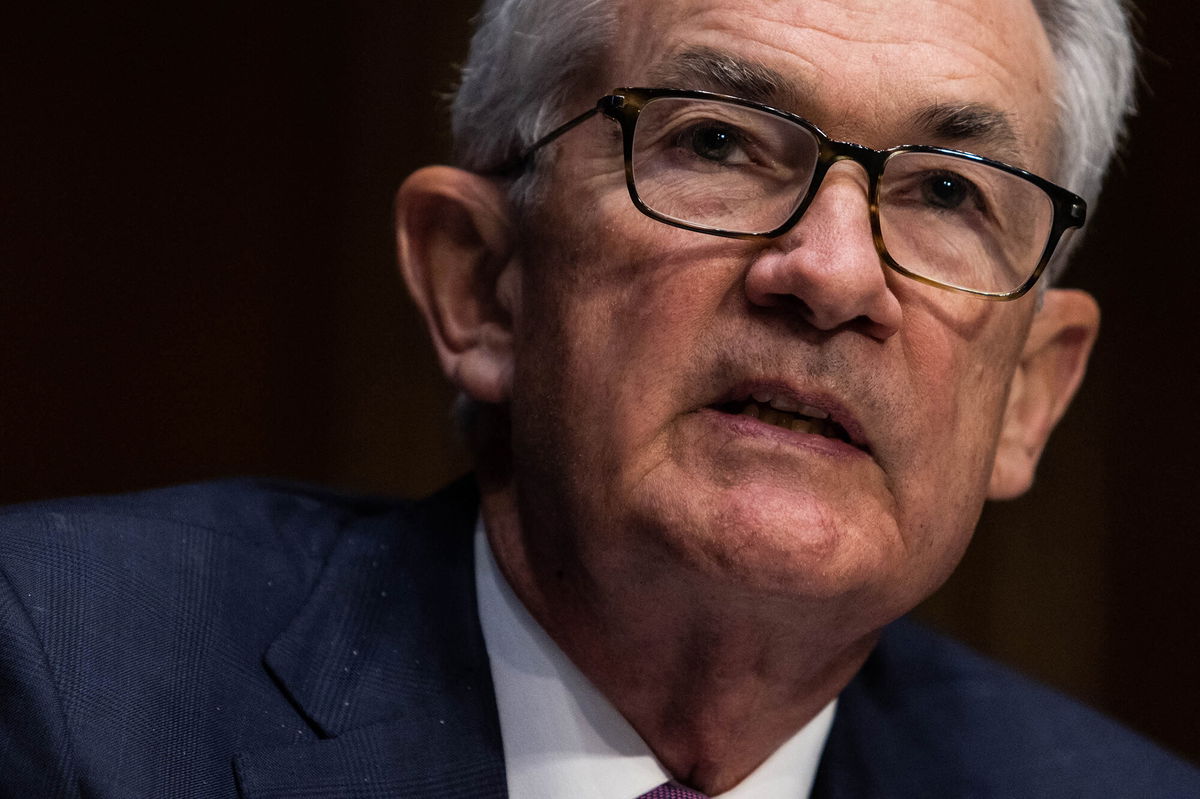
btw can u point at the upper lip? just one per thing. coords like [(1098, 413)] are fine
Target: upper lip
[(783, 396)]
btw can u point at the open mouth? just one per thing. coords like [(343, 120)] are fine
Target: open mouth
[(789, 414)]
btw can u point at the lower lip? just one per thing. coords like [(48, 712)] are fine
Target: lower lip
[(743, 426)]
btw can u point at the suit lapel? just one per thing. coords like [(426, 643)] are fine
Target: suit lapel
[(888, 737), (387, 661), (845, 770)]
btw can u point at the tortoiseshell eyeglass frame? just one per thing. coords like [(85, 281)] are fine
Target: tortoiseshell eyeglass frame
[(624, 105)]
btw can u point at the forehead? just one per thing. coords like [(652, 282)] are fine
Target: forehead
[(864, 70)]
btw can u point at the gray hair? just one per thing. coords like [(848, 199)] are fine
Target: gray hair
[(1096, 59), (527, 57)]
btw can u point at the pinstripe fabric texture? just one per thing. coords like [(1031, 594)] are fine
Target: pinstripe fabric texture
[(133, 632)]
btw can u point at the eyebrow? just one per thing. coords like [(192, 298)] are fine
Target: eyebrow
[(973, 123), (963, 125), (713, 70)]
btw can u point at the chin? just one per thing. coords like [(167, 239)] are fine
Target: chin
[(790, 546)]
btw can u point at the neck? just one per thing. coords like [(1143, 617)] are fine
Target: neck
[(713, 704), (713, 682)]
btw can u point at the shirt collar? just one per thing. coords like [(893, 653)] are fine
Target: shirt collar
[(562, 737)]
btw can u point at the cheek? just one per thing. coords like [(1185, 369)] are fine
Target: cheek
[(608, 367), (586, 340), (959, 393), (625, 296)]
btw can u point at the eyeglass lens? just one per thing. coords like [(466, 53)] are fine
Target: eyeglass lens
[(728, 167)]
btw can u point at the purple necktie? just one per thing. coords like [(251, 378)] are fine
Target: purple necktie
[(672, 790)]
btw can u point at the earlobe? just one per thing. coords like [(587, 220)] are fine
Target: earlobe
[(1051, 367), (455, 248)]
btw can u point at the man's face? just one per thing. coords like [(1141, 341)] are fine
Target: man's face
[(640, 347)]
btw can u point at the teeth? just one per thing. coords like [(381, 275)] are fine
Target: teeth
[(806, 426), (815, 413), (790, 414), (786, 404), (777, 418)]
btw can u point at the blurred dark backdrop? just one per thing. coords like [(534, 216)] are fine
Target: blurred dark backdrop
[(196, 279)]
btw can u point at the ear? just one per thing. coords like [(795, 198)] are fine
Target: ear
[(455, 245), (1051, 368)]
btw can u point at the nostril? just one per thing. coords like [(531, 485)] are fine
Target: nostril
[(830, 280)]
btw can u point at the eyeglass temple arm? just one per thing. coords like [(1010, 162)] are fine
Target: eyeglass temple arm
[(517, 164)]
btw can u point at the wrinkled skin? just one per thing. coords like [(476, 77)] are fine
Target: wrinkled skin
[(720, 578), (629, 329)]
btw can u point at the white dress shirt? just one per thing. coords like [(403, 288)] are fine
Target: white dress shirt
[(562, 737)]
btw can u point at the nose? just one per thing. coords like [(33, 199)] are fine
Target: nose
[(827, 267)]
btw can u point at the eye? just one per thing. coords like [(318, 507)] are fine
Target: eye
[(712, 142), (715, 142), (947, 190)]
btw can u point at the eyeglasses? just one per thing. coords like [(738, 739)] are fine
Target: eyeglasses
[(731, 167)]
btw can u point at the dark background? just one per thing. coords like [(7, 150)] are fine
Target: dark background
[(196, 280)]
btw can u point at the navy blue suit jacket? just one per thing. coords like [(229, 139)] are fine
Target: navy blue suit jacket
[(261, 640)]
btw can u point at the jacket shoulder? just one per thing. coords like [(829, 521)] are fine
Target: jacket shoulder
[(928, 716), (252, 510), (147, 563), (148, 614)]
